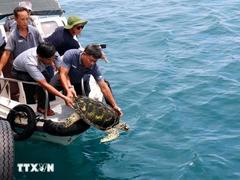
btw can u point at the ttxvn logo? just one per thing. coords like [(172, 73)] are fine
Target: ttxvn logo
[(35, 167)]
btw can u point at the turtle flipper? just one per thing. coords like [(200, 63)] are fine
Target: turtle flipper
[(112, 134), (74, 117)]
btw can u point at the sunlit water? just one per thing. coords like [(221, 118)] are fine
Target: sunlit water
[(175, 71)]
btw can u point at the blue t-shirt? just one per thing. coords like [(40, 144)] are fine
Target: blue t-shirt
[(72, 61), (62, 40)]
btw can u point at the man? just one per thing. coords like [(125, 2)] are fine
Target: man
[(10, 22), (63, 37), (31, 66), (76, 64), (21, 38)]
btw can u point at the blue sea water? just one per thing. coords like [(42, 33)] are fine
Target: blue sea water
[(175, 72)]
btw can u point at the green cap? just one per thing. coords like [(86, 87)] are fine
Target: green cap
[(74, 20)]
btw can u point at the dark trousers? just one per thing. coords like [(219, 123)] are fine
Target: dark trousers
[(32, 90), (14, 91)]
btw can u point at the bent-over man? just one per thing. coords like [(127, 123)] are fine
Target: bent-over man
[(31, 66), (76, 64)]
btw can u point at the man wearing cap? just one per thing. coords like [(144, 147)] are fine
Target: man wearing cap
[(10, 22), (76, 64), (63, 37)]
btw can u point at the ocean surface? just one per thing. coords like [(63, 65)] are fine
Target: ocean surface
[(175, 72)]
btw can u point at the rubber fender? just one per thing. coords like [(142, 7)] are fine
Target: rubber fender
[(25, 112), (58, 129)]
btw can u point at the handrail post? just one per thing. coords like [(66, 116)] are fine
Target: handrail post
[(46, 104)]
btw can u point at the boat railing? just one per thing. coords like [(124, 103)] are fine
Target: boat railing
[(5, 91)]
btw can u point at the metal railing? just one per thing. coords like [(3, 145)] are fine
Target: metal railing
[(6, 86)]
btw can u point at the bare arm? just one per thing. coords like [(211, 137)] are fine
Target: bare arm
[(51, 89), (4, 59), (108, 94), (66, 82)]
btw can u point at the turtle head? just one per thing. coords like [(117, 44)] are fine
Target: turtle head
[(122, 126)]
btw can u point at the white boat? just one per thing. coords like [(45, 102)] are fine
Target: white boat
[(61, 111), (47, 15)]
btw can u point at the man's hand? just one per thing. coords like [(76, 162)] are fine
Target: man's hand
[(118, 110), (71, 93), (69, 101)]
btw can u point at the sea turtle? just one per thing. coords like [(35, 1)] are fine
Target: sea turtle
[(97, 114)]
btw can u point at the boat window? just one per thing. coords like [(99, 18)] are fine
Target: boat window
[(48, 27)]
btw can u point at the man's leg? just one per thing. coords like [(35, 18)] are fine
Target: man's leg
[(14, 90), (29, 89), (42, 94)]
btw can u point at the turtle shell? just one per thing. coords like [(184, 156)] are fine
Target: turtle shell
[(96, 113)]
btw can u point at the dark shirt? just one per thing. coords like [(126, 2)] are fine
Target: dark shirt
[(62, 40)]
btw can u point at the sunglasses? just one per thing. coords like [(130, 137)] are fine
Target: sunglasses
[(79, 27)]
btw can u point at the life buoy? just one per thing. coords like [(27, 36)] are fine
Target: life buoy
[(22, 131), (6, 151), (58, 129)]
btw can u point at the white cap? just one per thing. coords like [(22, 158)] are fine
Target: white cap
[(104, 57), (26, 4)]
